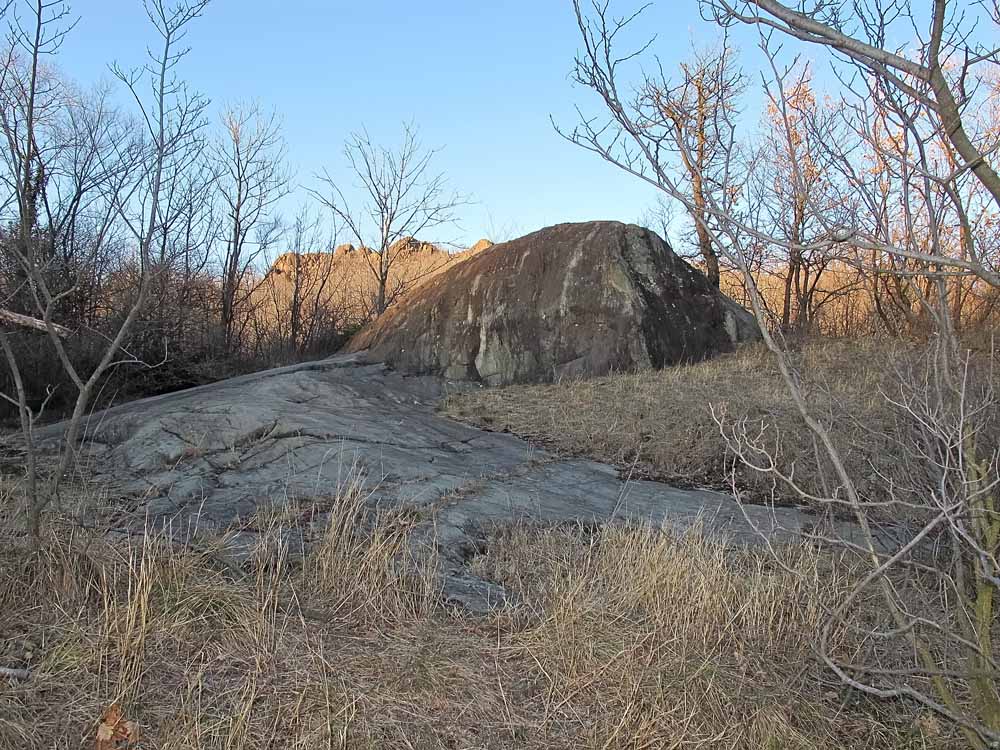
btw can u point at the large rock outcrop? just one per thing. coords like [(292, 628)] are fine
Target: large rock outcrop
[(572, 299), (282, 442)]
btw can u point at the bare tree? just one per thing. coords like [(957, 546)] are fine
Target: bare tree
[(937, 74), (697, 111), (128, 179), (660, 217), (302, 310), (401, 198), (682, 128), (312, 313), (180, 258), (897, 214), (796, 191), (252, 180)]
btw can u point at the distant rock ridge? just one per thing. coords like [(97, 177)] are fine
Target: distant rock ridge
[(343, 279), (413, 245), (406, 246)]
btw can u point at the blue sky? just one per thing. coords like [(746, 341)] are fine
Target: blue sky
[(480, 79)]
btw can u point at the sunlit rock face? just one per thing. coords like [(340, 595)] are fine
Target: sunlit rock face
[(572, 299)]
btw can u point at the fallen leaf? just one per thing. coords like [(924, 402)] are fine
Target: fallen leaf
[(114, 732)]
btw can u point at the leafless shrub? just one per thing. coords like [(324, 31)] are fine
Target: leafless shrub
[(130, 188), (912, 171), (403, 199)]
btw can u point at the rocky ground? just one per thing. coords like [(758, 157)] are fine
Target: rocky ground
[(311, 557), (216, 457)]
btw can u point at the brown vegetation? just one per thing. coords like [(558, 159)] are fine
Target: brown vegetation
[(664, 424), (135, 243), (891, 175), (626, 637), (844, 301)]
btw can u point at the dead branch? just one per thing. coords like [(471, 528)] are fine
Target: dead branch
[(27, 321)]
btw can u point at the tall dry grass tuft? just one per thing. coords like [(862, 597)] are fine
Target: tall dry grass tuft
[(366, 565), (642, 638), (199, 651)]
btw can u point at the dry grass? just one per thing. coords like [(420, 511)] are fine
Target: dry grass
[(650, 640), (663, 424), (627, 638), (279, 652)]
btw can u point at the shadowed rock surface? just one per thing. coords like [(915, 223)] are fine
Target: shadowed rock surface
[(210, 457), (572, 299)]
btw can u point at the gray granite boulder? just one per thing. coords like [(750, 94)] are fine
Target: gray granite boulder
[(572, 299)]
